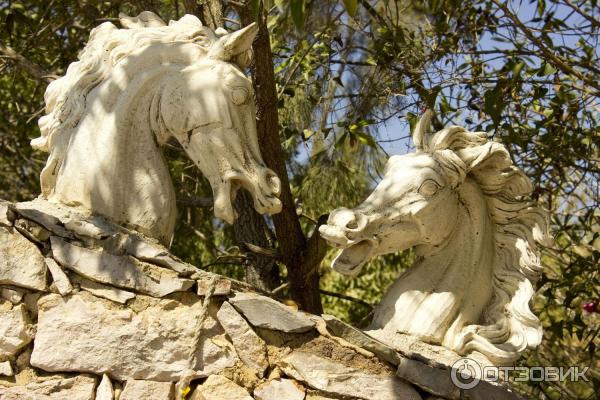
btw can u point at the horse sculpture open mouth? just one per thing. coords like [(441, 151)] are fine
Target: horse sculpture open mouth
[(264, 194), (353, 254)]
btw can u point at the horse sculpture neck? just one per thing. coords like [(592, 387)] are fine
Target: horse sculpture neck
[(447, 286), (114, 165)]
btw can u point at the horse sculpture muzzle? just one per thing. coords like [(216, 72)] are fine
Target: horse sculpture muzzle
[(347, 230)]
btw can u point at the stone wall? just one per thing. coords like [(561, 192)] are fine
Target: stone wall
[(90, 310)]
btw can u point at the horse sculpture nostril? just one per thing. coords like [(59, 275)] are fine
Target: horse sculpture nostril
[(353, 224), (273, 182)]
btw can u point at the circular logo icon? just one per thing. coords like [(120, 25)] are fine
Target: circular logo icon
[(465, 373)]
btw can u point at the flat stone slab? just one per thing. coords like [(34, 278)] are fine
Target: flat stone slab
[(147, 390), (15, 330), (217, 387), (158, 341), (21, 263), (251, 349), (279, 389), (104, 291), (412, 347), (438, 382), (121, 271), (264, 312), (361, 339), (337, 379), (50, 215), (157, 254), (433, 380), (78, 388)]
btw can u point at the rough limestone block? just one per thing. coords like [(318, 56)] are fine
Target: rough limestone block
[(6, 369), (217, 387), (148, 390), (279, 389), (159, 341), (122, 271), (222, 286), (12, 295), (251, 349), (61, 280), (32, 230), (105, 390), (7, 215), (15, 329), (78, 388), (338, 379), (265, 312), (21, 263)]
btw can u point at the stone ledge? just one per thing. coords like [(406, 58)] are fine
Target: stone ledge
[(186, 336)]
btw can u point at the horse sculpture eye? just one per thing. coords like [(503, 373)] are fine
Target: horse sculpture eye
[(429, 188)]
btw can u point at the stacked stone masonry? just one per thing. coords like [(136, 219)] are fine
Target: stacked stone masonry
[(90, 310)]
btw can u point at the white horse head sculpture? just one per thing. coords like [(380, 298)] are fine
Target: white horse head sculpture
[(462, 203), (131, 91)]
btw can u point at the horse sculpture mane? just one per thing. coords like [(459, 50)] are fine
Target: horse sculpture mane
[(65, 97), (508, 326), (132, 90), (472, 166)]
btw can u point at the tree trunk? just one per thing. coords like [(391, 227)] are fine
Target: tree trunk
[(301, 257), (262, 271), (250, 228)]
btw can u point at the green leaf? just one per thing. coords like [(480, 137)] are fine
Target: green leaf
[(281, 4), (546, 69), (351, 6), (297, 10), (365, 138), (516, 69), (541, 7), (494, 104)]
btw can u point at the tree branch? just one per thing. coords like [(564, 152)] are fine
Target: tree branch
[(20, 61), (554, 59), (346, 297), (585, 15)]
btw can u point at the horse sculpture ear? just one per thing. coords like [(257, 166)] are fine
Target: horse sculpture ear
[(146, 19), (421, 132), (234, 44)]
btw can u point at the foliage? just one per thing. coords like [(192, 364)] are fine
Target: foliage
[(352, 77)]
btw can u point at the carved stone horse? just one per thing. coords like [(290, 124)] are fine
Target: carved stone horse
[(133, 89), (463, 205)]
